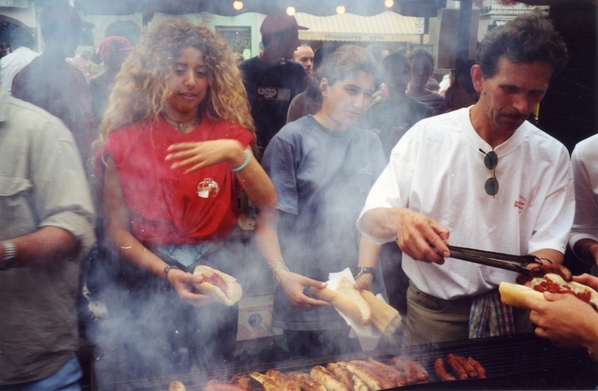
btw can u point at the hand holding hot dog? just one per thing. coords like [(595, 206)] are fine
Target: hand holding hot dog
[(564, 320), (184, 285), (294, 285)]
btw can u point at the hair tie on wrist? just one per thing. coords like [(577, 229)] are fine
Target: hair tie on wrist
[(245, 162)]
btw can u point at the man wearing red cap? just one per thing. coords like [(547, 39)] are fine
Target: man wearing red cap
[(53, 84), (271, 79), (113, 51)]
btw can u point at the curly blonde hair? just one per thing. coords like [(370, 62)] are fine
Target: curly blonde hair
[(142, 87)]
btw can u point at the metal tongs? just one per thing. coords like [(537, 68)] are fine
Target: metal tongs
[(516, 263)]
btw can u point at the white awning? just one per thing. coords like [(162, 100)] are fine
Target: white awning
[(385, 27)]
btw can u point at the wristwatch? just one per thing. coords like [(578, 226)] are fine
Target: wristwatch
[(359, 270), (10, 253)]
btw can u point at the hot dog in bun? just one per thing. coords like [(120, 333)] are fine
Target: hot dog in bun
[(515, 294), (220, 286)]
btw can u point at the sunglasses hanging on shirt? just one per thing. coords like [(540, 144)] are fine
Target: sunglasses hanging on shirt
[(491, 161)]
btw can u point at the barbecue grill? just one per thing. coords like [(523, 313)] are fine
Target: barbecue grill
[(521, 361)]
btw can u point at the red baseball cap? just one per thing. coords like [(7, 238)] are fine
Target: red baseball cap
[(62, 14), (113, 43), (280, 22)]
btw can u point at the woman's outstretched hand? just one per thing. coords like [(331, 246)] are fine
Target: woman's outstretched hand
[(197, 155)]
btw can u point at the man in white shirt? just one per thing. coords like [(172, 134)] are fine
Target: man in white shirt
[(21, 43), (443, 178)]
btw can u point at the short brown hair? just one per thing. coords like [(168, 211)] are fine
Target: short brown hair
[(529, 38)]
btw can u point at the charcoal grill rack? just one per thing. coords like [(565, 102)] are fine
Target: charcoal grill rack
[(521, 361)]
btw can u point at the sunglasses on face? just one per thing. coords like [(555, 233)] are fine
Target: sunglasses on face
[(491, 161)]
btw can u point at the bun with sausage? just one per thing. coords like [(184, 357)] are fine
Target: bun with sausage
[(515, 294), (220, 286)]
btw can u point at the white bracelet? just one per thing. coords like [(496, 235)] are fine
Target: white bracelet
[(10, 253), (245, 162)]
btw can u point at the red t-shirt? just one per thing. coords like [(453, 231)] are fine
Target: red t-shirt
[(168, 206)]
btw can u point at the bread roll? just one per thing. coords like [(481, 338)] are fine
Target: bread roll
[(515, 294), (347, 300), (384, 317)]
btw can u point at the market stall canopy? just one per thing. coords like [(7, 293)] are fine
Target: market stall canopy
[(385, 27), (420, 8)]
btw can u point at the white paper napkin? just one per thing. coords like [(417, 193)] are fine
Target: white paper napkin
[(368, 335)]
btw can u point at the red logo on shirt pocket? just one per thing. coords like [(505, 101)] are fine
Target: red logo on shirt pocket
[(207, 188)]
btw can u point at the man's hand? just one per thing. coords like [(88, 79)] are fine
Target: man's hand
[(422, 238), (294, 285)]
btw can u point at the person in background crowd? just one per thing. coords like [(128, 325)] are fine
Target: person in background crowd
[(378, 51), (460, 92), (566, 320), (46, 229), (443, 178), (395, 114), (271, 79), (176, 151), (304, 55), (422, 68), (322, 168), (112, 51), (584, 233), (22, 43), (55, 85)]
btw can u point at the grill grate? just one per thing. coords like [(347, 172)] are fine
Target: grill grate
[(521, 361)]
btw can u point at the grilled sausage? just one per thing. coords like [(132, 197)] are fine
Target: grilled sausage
[(440, 369), (469, 369), (246, 382), (328, 379), (386, 379), (456, 366), (403, 367), (351, 380), (276, 376), (478, 367), (306, 382), (368, 377), (176, 386), (268, 383), (394, 373), (214, 385), (417, 371)]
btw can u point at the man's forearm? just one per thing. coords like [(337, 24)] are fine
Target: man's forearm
[(380, 224), (40, 248)]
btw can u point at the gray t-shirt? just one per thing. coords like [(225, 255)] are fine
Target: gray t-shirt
[(322, 178)]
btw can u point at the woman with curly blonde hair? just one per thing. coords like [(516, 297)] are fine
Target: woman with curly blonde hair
[(175, 153)]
